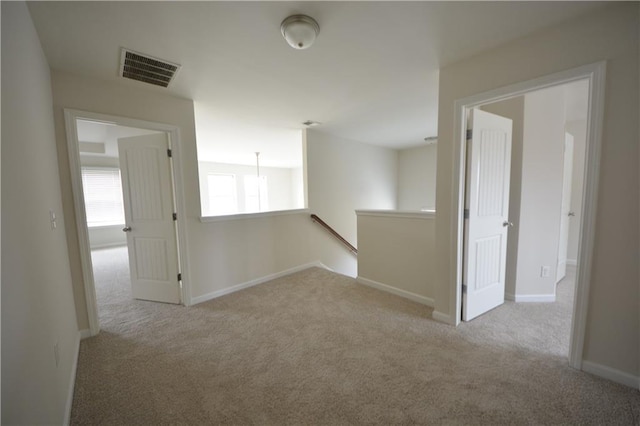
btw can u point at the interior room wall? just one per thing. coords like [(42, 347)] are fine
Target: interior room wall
[(345, 176), (609, 34), (417, 177), (280, 185), (220, 255), (37, 301), (513, 109), (578, 129), (541, 195)]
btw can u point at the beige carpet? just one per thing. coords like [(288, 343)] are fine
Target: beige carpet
[(318, 348)]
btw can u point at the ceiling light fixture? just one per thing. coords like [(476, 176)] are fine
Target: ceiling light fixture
[(300, 31)]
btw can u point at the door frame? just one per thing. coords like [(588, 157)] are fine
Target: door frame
[(73, 147), (595, 74)]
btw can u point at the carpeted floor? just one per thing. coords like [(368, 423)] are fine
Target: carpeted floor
[(318, 348)]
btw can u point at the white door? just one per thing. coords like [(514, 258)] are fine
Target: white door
[(486, 212), (565, 209), (148, 208)]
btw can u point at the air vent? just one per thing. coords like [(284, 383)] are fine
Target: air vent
[(138, 66)]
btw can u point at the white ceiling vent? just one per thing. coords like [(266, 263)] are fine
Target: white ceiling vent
[(141, 67)]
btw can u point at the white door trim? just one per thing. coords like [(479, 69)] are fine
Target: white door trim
[(71, 115), (595, 73)]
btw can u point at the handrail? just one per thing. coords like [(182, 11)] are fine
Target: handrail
[(322, 223)]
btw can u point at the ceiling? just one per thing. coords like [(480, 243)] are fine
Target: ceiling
[(371, 76), (101, 140)]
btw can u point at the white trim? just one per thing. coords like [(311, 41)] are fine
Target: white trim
[(595, 73), (611, 374), (398, 292), (440, 317), (108, 245), (533, 298), (85, 334), (572, 262), (407, 214), (243, 216), (72, 380), (254, 282), (71, 115)]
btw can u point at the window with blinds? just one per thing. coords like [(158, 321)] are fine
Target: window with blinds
[(103, 196)]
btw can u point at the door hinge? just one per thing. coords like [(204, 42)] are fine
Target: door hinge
[(469, 134), (169, 153), (175, 216), (179, 277), (466, 213), (464, 289)]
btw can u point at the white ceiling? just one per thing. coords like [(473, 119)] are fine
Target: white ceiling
[(371, 76), (93, 132)]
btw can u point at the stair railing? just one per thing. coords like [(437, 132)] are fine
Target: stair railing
[(333, 232)]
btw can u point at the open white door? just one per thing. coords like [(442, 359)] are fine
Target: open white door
[(565, 209), (486, 212), (148, 208)]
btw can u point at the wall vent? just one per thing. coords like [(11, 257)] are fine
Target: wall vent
[(141, 67)]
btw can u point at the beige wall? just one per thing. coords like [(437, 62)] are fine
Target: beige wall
[(417, 178), (37, 299), (541, 194), (611, 34), (397, 250), (513, 109), (220, 254), (345, 176)]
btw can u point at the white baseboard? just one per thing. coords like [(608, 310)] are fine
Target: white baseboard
[(72, 381), (109, 245), (509, 296), (398, 292), (440, 317), (572, 262), (532, 298), (85, 334), (242, 286), (611, 374)]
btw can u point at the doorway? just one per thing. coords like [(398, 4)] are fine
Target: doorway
[(594, 74), (127, 208)]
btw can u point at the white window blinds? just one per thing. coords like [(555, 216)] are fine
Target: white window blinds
[(103, 196)]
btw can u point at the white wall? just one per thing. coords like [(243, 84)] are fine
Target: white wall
[(37, 300), (397, 251), (611, 34), (417, 178), (345, 176), (280, 184), (541, 196), (513, 109), (579, 131)]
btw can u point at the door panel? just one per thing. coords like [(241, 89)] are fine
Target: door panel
[(487, 208), (146, 183)]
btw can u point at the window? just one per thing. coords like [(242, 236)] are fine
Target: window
[(222, 194), (103, 196), (256, 198)]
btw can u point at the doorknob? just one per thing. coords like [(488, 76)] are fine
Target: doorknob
[(126, 229), (505, 223), (571, 214)]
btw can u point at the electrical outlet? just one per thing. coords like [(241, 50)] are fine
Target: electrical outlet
[(56, 353), (545, 271)]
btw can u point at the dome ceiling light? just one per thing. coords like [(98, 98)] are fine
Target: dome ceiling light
[(300, 31)]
